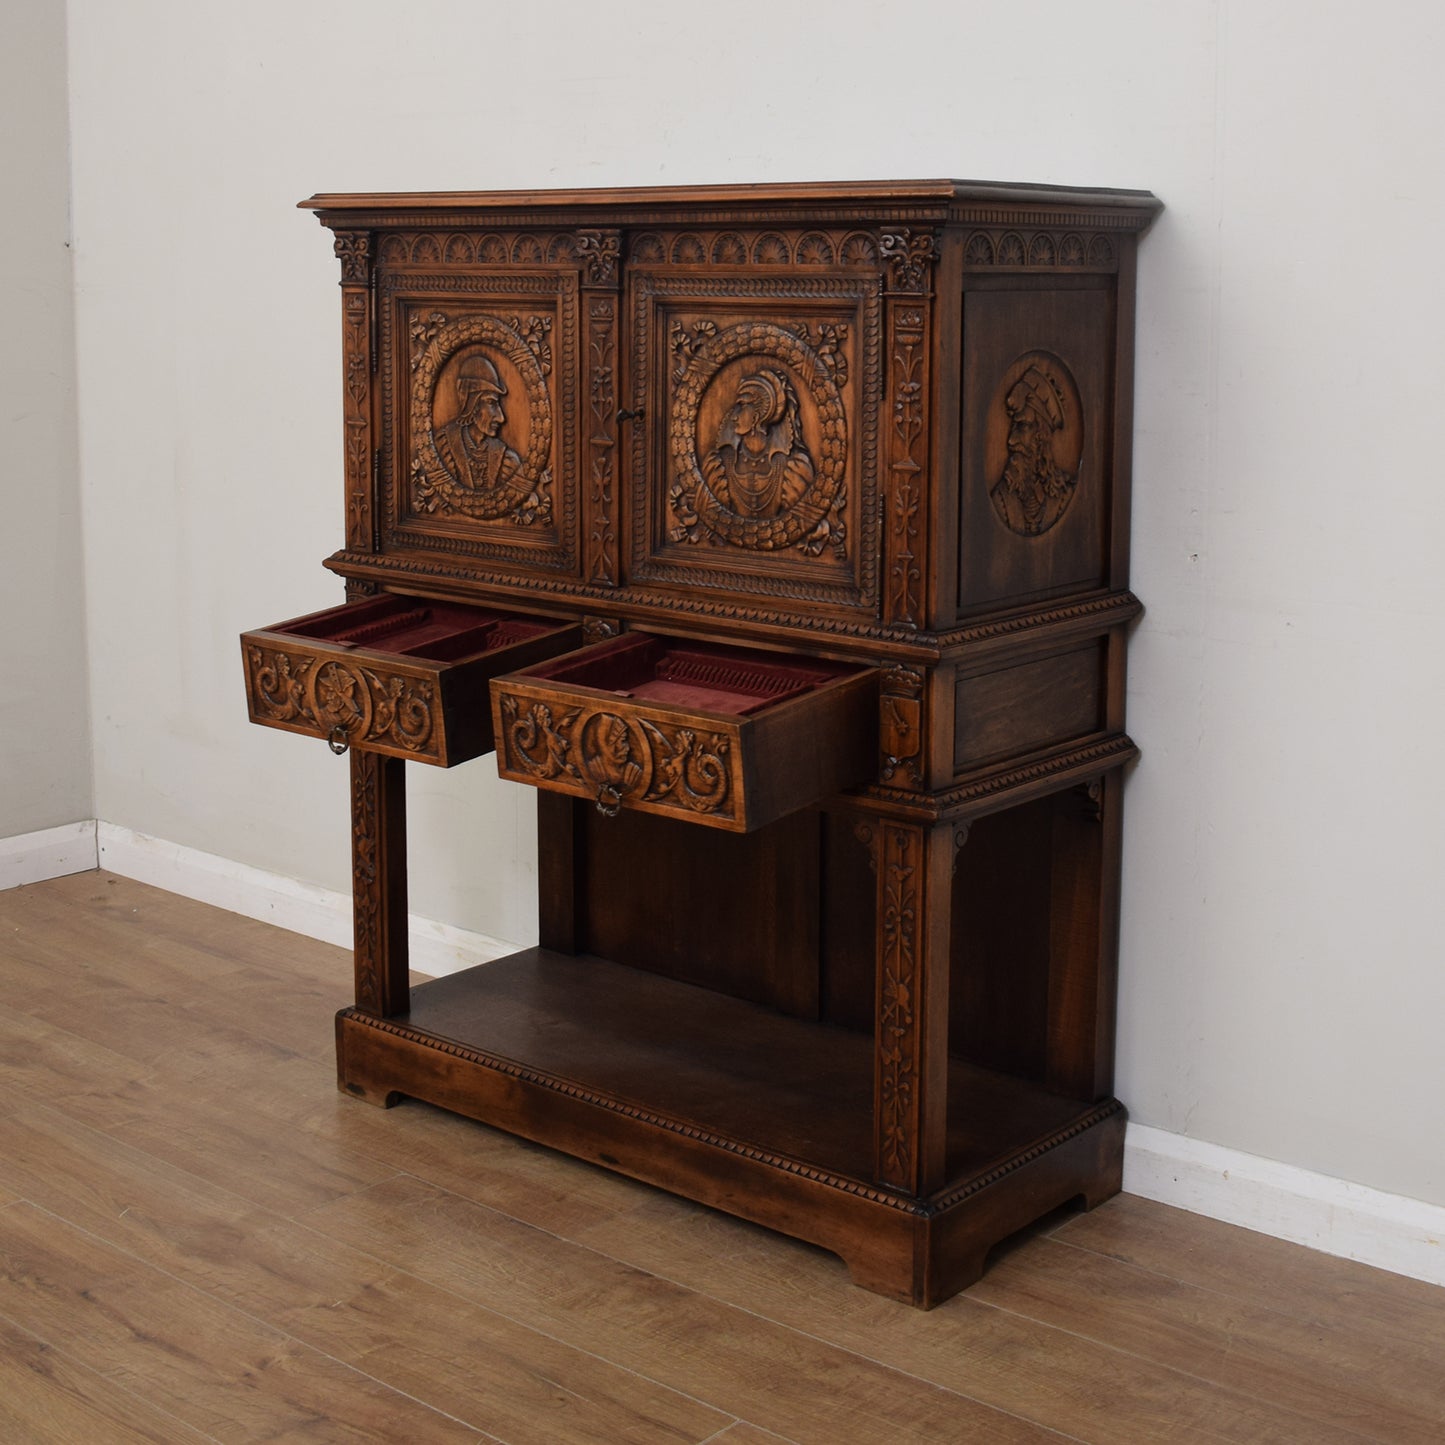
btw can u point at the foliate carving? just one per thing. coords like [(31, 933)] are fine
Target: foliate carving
[(353, 248), (898, 989), (1042, 419), (465, 418), (751, 481), (686, 341), (366, 904), (602, 443), (829, 346), (617, 759), (332, 694), (600, 252), (356, 348), (1040, 250), (904, 573), (910, 256), (901, 726)]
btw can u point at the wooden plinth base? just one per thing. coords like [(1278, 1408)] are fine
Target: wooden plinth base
[(766, 1117)]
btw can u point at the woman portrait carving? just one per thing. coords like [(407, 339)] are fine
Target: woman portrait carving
[(759, 467)]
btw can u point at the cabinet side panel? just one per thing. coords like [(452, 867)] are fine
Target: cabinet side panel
[(1037, 457)]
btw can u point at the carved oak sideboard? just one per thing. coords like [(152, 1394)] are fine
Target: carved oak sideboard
[(778, 537)]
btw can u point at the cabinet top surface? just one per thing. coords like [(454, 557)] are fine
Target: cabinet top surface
[(882, 196)]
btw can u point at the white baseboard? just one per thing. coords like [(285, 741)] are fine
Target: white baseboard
[(435, 948), (50, 853), (1389, 1231), (1353, 1221)]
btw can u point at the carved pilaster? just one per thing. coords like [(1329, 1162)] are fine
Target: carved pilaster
[(600, 252), (358, 364), (913, 867), (907, 461), (378, 882)]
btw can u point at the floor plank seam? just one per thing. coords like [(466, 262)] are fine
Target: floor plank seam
[(286, 1334), (1214, 1385), (145, 1404), (1310, 1321), (846, 1350)]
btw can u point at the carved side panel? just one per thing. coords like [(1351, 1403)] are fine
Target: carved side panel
[(353, 249), (762, 478), (1035, 503)]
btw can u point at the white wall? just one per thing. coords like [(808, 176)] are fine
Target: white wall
[(44, 715), (1282, 989)]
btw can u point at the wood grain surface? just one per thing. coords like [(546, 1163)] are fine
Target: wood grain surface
[(200, 1239)]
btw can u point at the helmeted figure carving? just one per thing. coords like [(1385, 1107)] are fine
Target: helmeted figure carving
[(1034, 491), (759, 467), (471, 446)]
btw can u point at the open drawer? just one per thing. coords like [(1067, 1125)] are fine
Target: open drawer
[(395, 675), (724, 736)]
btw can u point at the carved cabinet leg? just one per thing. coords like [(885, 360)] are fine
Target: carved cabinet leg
[(914, 867), (378, 880)]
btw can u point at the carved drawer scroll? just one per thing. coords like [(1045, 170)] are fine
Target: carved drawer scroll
[(722, 736), (394, 675)]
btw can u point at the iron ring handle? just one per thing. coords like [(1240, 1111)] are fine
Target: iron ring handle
[(337, 740), (609, 801)]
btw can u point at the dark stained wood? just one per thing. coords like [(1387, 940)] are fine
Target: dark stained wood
[(833, 481)]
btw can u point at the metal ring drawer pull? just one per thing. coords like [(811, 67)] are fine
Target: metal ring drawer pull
[(337, 740), (609, 801)]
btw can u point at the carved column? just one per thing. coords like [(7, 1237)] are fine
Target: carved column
[(358, 302), (908, 285), (378, 883), (913, 864), (600, 252)]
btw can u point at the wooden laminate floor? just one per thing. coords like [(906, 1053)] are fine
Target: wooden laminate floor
[(202, 1240)]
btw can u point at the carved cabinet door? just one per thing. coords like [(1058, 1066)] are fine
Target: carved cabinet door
[(482, 374), (758, 355)]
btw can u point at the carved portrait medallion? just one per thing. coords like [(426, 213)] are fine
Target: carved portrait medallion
[(1035, 443), (481, 419), (759, 438)]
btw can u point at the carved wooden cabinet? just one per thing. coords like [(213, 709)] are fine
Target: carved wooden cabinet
[(778, 536)]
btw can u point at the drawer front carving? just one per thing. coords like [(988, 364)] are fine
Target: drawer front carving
[(393, 675), (337, 697), (721, 736), (761, 479), (613, 758)]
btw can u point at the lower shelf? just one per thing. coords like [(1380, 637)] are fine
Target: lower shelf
[(732, 1104)]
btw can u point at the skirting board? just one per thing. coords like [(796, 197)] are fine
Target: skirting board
[(50, 853), (1405, 1236), (1389, 1231), (435, 948)]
